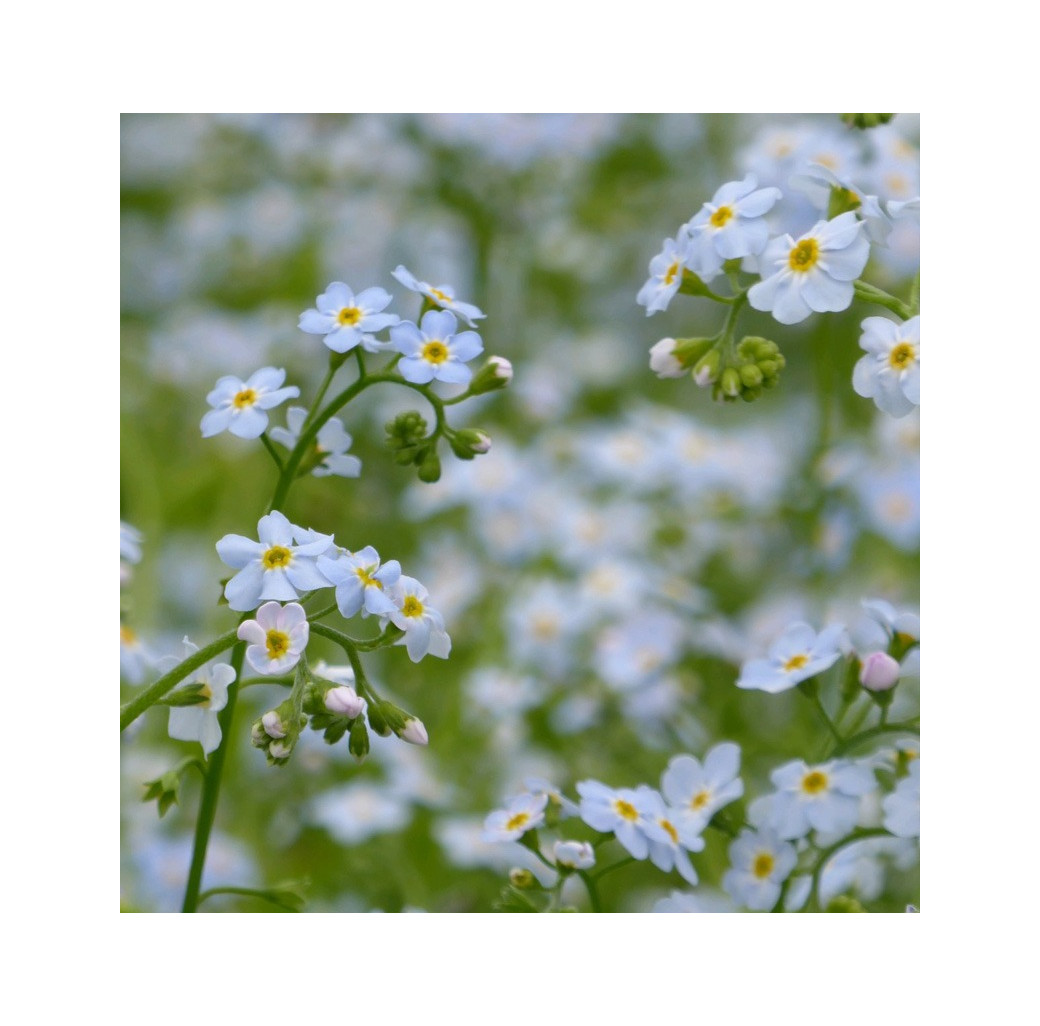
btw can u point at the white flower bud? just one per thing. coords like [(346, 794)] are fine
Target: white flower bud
[(414, 732), (879, 672), (273, 724), (279, 750), (663, 361), (503, 368), (344, 701)]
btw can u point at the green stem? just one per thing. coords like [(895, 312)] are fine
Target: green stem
[(272, 450), (907, 727), (610, 869), (871, 294), (828, 853), (815, 699), (590, 886), (211, 790), (322, 389), (250, 682), (142, 701)]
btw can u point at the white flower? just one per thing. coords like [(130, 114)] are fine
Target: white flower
[(574, 854), (795, 656), (199, 722), (129, 543), (671, 836), (441, 295), (273, 567), (699, 791), (135, 658), (277, 637), (823, 797), (730, 226), (361, 582), (423, 626), (625, 813), (815, 272), (345, 319), (890, 373), (882, 623), (332, 443), (522, 813), (272, 724), (666, 273), (241, 406), (434, 350), (902, 807), (760, 863)]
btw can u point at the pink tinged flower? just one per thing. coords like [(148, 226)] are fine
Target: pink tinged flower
[(241, 406), (277, 637), (434, 350), (345, 319), (879, 672), (522, 813), (272, 724), (273, 567), (813, 273), (441, 295), (423, 625), (361, 582), (796, 656), (890, 373)]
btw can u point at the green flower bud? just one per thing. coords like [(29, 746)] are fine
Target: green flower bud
[(522, 879), (468, 443), (358, 744), (164, 789), (844, 903), (866, 120), (729, 382), (706, 370), (376, 719), (750, 375), (496, 373), (430, 467)]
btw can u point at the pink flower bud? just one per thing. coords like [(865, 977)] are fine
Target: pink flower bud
[(273, 724), (879, 672), (344, 701), (414, 733)]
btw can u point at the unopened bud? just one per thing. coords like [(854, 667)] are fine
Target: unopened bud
[(707, 368), (258, 736), (430, 467), (663, 361), (414, 732), (574, 854), (279, 750), (879, 672), (469, 442), (496, 373), (866, 120), (358, 744), (272, 724), (521, 879), (344, 701), (730, 382)]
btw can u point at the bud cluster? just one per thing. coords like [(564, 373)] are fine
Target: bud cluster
[(754, 366), (276, 733)]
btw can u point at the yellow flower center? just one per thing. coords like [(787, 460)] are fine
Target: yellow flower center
[(348, 316), (804, 256), (517, 822), (207, 694), (412, 606), (796, 662), (721, 217), (814, 782), (443, 297), (669, 275), (127, 636), (626, 810), (763, 865), (277, 644), (364, 574), (276, 556), (700, 799), (244, 398), (435, 352), (902, 356), (670, 830)]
